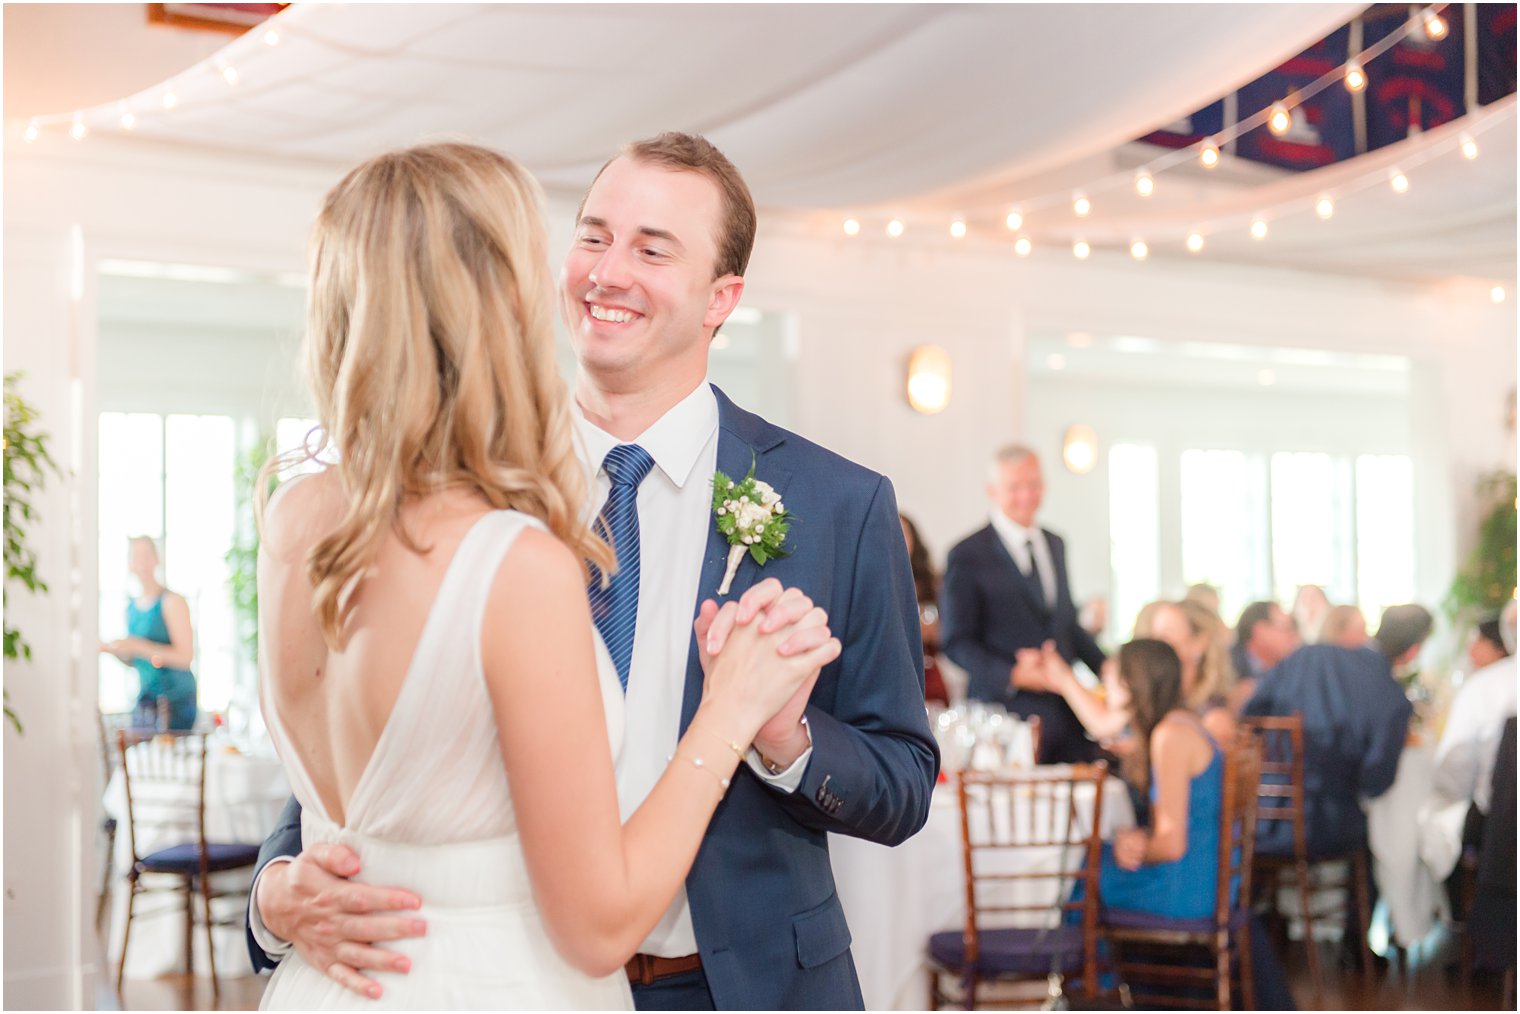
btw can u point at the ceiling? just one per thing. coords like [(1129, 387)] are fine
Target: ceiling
[(919, 111)]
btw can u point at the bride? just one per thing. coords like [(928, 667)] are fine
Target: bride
[(430, 672)]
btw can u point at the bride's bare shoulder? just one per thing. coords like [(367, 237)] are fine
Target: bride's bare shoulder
[(304, 509)]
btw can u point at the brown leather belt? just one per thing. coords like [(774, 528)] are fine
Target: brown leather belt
[(645, 969)]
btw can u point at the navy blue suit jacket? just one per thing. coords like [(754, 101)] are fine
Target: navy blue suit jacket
[(990, 609), (769, 925), (1355, 720)]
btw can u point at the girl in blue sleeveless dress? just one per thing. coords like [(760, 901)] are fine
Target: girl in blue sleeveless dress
[(161, 659)]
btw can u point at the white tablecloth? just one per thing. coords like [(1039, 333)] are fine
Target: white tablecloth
[(1405, 884), (895, 898), (244, 795)]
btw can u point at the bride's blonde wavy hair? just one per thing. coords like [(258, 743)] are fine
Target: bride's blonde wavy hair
[(429, 352)]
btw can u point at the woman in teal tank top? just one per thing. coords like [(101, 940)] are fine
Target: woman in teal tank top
[(159, 644)]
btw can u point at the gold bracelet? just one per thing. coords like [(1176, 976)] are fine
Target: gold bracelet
[(735, 747), (699, 763)]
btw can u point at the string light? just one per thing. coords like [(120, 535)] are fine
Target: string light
[(1469, 147), (31, 132), (958, 229), (1356, 77), (229, 74), (1015, 221), (1279, 119), (1399, 182), (1138, 250), (1082, 206), (852, 227), (170, 99), (1324, 207), (1145, 184), (894, 228), (1194, 242), (128, 120), (1259, 229), (271, 38), (1080, 250), (78, 130), (1435, 25), (1209, 154), (1022, 246), (1496, 293)]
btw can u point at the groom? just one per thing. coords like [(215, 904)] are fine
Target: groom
[(657, 263)]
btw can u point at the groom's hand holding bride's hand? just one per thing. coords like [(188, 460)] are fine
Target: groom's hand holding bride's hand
[(334, 922), (782, 738)]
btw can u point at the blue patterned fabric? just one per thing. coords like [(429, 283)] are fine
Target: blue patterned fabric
[(615, 608)]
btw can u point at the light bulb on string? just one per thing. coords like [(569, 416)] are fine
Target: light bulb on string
[(1324, 207), (229, 74), (1080, 250), (1022, 246), (1279, 119), (128, 119), (1496, 293), (31, 132), (1145, 184), (1469, 147), (1399, 182), (1356, 77), (1209, 154), (895, 228), (1081, 206), (1015, 220), (1259, 229), (78, 130), (1435, 25), (1194, 242), (170, 99), (271, 38), (958, 229), (852, 227), (1138, 250)]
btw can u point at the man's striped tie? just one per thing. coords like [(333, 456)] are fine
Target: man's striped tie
[(616, 607)]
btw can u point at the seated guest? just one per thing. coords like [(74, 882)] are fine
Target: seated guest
[(1355, 720), (1168, 869), (1264, 637), (1310, 607), (160, 645), (1006, 589), (1345, 627), (926, 584), (1492, 922), (1465, 756), (1487, 645), (1205, 595)]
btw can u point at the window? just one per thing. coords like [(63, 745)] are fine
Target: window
[(1223, 526), (1384, 533), (1132, 526)]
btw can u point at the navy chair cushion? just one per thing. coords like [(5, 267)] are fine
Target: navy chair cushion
[(1119, 918), (186, 859), (1012, 951)]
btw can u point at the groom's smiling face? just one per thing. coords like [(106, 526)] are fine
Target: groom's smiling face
[(637, 289)]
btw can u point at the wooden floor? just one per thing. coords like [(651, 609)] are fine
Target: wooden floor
[(1425, 984)]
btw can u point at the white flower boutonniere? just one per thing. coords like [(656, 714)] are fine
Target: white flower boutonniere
[(752, 517)]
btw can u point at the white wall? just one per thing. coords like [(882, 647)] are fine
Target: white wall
[(858, 308)]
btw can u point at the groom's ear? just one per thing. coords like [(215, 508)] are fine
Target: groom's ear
[(725, 297)]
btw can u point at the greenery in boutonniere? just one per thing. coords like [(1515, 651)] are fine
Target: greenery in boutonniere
[(752, 517)]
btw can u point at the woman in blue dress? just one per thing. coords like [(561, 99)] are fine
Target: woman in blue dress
[(159, 644), (1169, 869)]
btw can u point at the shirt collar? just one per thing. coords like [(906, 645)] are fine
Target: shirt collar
[(675, 440), (1011, 530)]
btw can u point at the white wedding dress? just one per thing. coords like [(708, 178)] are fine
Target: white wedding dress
[(432, 813)]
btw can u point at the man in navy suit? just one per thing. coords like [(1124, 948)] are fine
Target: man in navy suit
[(662, 241), (1006, 590)]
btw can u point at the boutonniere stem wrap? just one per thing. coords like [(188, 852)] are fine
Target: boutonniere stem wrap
[(752, 517)]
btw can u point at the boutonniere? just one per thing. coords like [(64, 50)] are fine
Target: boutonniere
[(752, 517)]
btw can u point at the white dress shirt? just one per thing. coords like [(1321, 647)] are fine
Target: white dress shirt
[(1017, 540), (1470, 742)]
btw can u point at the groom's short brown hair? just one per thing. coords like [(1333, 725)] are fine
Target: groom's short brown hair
[(696, 154)]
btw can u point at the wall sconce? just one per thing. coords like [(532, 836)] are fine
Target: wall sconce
[(1079, 449), (929, 379)]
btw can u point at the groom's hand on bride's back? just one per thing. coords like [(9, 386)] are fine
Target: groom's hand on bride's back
[(333, 922)]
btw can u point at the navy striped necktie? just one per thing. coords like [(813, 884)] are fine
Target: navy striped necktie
[(615, 608)]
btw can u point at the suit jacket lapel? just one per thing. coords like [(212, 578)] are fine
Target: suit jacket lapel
[(743, 439)]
